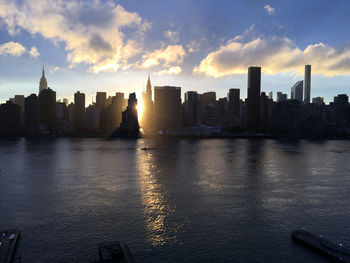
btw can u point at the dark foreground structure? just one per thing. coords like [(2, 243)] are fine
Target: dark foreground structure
[(8, 244), (319, 243), (114, 252)]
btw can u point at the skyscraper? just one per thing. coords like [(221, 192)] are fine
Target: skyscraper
[(191, 109), (270, 95), (147, 116), (307, 81), (167, 107), (253, 100), (281, 97), (31, 114), (43, 82), (297, 91), (234, 103), (79, 110), (101, 99), (47, 102), (129, 127)]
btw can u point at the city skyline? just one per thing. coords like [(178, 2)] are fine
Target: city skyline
[(211, 54)]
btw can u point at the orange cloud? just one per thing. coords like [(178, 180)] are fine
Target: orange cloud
[(275, 55)]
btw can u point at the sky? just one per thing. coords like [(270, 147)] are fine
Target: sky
[(202, 45)]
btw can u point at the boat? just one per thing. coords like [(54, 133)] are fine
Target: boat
[(332, 250)]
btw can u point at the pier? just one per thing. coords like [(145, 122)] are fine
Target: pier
[(8, 244), (317, 242)]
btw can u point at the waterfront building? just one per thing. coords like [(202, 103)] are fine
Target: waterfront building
[(47, 102), (297, 91), (79, 110), (307, 81), (31, 114), (129, 127), (253, 99), (101, 99), (10, 116), (167, 108), (318, 100), (191, 109), (233, 106)]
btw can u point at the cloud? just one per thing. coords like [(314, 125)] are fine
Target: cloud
[(172, 54), (173, 36), (275, 55), (269, 9), (12, 48), (101, 34), (171, 71), (33, 52), (193, 46)]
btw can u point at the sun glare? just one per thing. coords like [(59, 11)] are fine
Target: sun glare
[(139, 107)]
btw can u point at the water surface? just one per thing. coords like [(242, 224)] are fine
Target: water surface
[(231, 200)]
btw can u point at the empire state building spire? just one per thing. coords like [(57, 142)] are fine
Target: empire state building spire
[(43, 82)]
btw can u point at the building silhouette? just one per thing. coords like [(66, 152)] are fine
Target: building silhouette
[(307, 82), (167, 108), (31, 114), (147, 119), (341, 99), (281, 96), (43, 82), (101, 99), (79, 111), (234, 106), (297, 91), (253, 99), (207, 102), (191, 109), (129, 127), (47, 102), (10, 116), (318, 100)]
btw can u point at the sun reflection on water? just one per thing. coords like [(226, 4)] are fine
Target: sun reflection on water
[(157, 209)]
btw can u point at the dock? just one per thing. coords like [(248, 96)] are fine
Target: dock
[(8, 244), (114, 252), (317, 242)]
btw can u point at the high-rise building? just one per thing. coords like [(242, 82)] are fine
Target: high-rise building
[(43, 82), (318, 100), (307, 81), (167, 107), (31, 114), (297, 91), (341, 99), (9, 118), (79, 110), (270, 95), (253, 100), (19, 100), (47, 102), (61, 109), (281, 96), (92, 117), (129, 127), (234, 104), (191, 109), (101, 99), (147, 115), (207, 104), (263, 118)]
